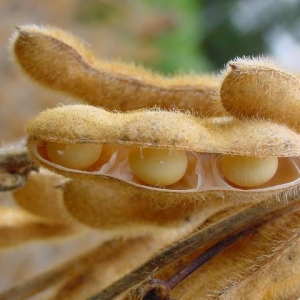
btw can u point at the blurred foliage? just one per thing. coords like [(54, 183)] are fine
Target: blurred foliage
[(200, 35), (210, 33), (181, 45), (97, 11), (175, 31), (245, 28)]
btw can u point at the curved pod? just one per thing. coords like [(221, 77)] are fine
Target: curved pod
[(204, 142)]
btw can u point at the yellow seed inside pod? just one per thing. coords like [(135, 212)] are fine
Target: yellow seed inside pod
[(73, 156), (248, 171), (158, 167)]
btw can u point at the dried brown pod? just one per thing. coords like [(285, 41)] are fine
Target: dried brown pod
[(133, 210), (269, 281), (256, 88), (43, 196), (62, 62)]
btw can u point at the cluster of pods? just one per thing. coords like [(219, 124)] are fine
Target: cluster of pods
[(147, 151)]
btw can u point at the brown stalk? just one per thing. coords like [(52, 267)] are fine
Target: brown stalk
[(160, 290), (246, 218), (173, 281), (15, 165)]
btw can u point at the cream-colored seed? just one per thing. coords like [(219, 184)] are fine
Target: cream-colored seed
[(73, 156), (248, 171), (158, 167)]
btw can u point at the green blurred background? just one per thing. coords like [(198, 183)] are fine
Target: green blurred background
[(202, 35)]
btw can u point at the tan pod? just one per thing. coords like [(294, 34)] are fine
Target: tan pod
[(58, 60), (205, 142), (258, 89)]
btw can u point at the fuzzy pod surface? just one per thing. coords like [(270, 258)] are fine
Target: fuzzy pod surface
[(260, 90), (60, 61), (205, 141)]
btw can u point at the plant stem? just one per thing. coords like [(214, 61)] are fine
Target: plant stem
[(254, 214)]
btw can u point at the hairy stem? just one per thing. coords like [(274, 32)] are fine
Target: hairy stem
[(220, 246), (189, 244)]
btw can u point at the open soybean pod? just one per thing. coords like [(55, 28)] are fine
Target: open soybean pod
[(60, 61), (173, 158)]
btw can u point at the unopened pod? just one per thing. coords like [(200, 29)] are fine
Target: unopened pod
[(258, 89), (170, 156), (60, 61)]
